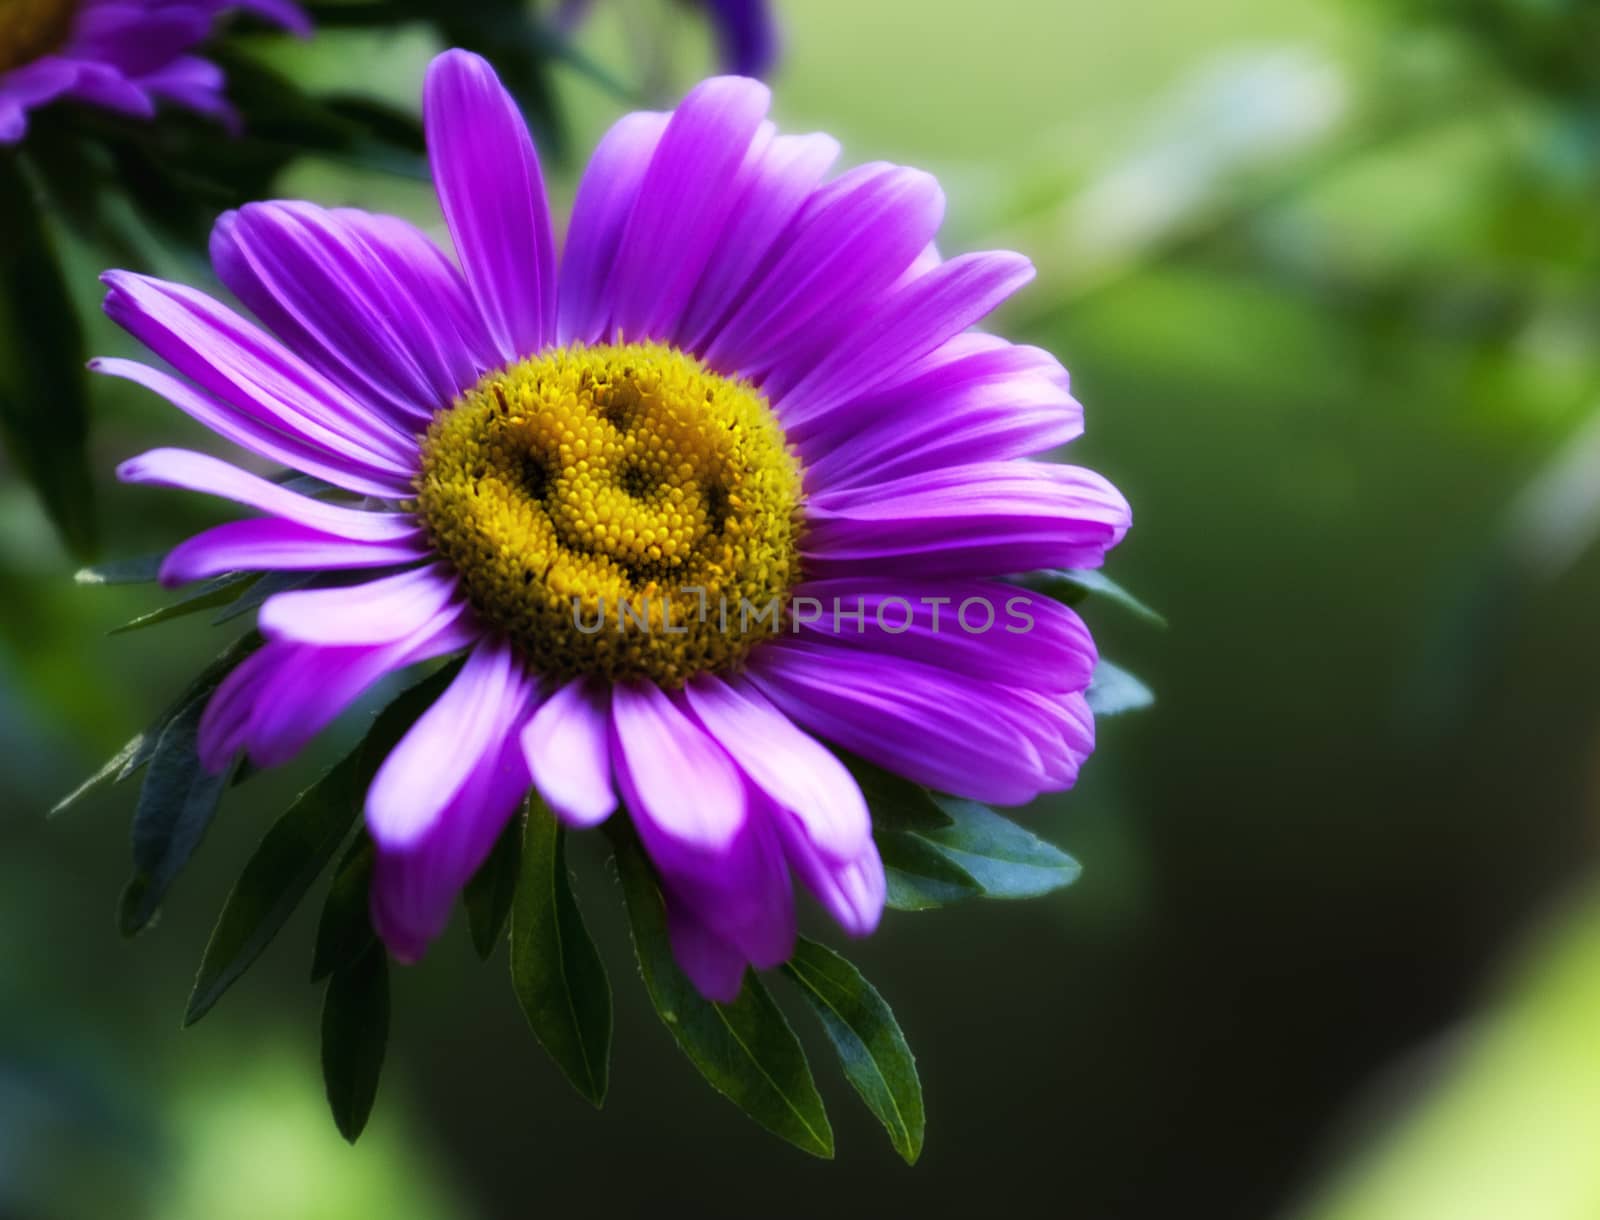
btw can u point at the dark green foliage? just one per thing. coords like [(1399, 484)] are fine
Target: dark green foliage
[(345, 930), (44, 408), (355, 1035), (139, 749), (176, 804), (557, 973), (282, 870), (489, 894), (745, 1050), (871, 1048)]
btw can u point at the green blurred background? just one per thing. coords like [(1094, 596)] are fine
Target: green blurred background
[(1325, 274)]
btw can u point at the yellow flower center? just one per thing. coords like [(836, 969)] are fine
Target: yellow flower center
[(617, 510), (31, 28)]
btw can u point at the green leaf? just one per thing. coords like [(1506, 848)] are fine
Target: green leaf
[(283, 868), (44, 400), (176, 804), (896, 803), (1074, 585), (921, 876), (355, 1033), (558, 976), (745, 1050), (871, 1048), (304, 484), (1114, 690), (270, 584), (217, 592), (396, 718), (137, 570), (114, 769), (345, 929), (488, 895), (937, 850), (140, 748), (1002, 857)]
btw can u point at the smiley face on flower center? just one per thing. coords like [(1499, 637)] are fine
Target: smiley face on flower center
[(620, 511)]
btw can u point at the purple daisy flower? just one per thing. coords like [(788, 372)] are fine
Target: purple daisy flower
[(123, 55), (631, 484), (746, 31)]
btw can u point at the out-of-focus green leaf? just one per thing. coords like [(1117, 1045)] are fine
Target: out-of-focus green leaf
[(745, 1050), (558, 975), (345, 929), (44, 402), (176, 804), (1500, 1124), (289, 859), (355, 1034), (1075, 585), (1002, 857), (871, 1047), (1114, 690), (488, 896), (73, 179)]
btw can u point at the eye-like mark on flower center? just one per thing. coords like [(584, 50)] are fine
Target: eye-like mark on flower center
[(588, 496), (31, 28)]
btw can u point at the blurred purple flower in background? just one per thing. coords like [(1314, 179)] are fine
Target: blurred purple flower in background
[(123, 55), (746, 31)]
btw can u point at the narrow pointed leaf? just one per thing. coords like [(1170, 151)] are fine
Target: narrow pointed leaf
[(283, 868), (141, 748), (489, 894), (871, 1048), (1002, 857), (1076, 585), (176, 805), (110, 772), (355, 1034), (344, 931), (212, 593), (745, 1050), (557, 973), (921, 876), (270, 583), (1114, 691)]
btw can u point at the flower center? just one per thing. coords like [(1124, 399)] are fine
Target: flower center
[(617, 511), (31, 28)]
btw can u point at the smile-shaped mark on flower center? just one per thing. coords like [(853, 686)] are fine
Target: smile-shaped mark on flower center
[(619, 511)]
